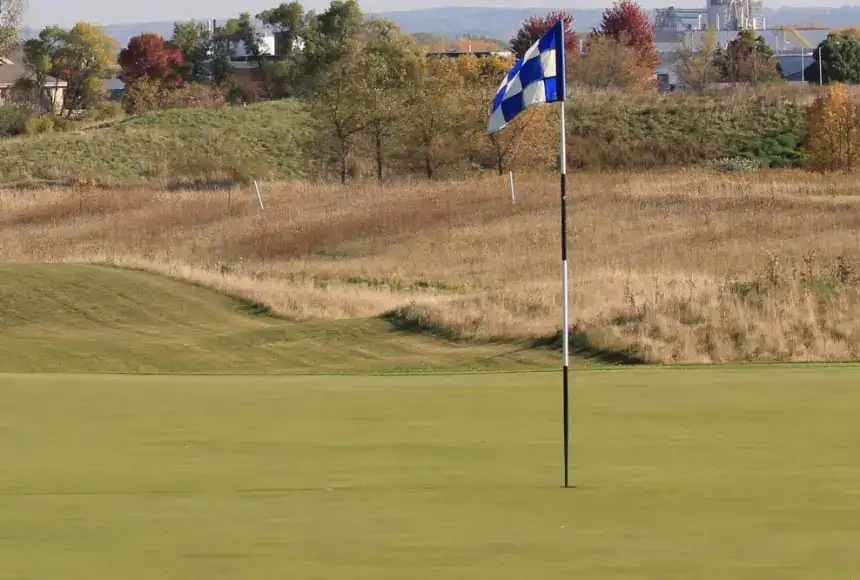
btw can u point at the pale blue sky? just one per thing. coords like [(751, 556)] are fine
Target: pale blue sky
[(65, 12)]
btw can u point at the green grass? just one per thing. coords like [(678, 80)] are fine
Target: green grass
[(92, 319), (277, 141), (620, 131), (267, 140), (706, 474)]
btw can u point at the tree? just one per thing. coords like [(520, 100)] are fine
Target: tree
[(840, 59), (150, 56), (523, 141), (749, 59), (84, 57), (610, 64), (288, 22), (627, 23), (434, 108), (834, 128), (334, 77), (11, 13), (328, 37), (194, 41), (252, 39), (40, 55), (392, 64), (697, 67), (225, 43), (535, 27)]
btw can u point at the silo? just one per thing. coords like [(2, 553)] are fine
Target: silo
[(718, 14), (756, 8)]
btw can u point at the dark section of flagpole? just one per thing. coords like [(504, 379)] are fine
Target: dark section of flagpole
[(565, 384)]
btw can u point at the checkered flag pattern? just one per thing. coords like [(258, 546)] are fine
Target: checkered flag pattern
[(537, 78)]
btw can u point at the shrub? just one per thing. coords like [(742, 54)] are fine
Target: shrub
[(146, 95), (782, 150), (106, 112), (38, 124), (12, 120)]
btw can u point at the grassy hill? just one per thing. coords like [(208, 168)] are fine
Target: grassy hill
[(277, 140), (80, 318), (609, 130), (232, 143)]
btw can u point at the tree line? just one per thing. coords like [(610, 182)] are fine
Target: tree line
[(373, 94)]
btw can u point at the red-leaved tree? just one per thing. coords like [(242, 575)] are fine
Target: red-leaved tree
[(627, 23), (150, 56), (536, 26)]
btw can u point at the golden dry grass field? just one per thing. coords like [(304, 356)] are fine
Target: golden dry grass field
[(669, 266)]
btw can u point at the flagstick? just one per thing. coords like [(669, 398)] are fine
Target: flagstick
[(564, 301)]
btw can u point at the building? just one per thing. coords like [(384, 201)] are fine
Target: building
[(16, 83), (675, 28)]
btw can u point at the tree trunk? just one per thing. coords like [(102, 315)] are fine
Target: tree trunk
[(343, 168), (428, 164), (379, 156)]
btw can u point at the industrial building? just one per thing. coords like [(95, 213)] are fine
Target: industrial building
[(677, 27), (719, 14)]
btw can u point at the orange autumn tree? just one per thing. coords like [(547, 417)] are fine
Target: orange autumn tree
[(834, 127)]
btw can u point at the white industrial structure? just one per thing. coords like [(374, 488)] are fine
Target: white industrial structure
[(718, 14)]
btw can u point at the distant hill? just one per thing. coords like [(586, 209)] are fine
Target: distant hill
[(502, 23)]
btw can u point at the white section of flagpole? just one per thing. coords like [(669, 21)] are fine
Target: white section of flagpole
[(513, 194)]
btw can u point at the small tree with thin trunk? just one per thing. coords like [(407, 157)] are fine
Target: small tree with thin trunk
[(434, 108), (834, 128), (695, 66)]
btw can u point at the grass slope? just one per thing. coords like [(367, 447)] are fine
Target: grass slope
[(265, 140), (79, 318), (709, 474), (276, 140), (609, 130)]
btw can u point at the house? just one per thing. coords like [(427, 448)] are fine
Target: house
[(16, 83)]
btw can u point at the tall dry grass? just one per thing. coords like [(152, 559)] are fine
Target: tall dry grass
[(684, 266)]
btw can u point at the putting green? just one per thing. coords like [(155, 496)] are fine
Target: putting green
[(700, 473)]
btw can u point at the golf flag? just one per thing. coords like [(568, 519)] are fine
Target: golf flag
[(537, 78)]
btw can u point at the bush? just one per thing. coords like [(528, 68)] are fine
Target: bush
[(12, 120), (782, 150), (38, 124), (147, 95), (106, 112)]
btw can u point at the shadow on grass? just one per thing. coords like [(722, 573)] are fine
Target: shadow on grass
[(205, 185), (580, 345), (405, 320)]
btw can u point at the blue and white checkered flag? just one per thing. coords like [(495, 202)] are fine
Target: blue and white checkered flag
[(537, 78)]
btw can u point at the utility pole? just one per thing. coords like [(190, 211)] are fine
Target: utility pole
[(802, 64)]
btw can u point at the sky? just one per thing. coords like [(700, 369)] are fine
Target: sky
[(65, 13)]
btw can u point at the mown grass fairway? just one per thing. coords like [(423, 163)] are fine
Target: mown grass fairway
[(688, 473), (77, 318)]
